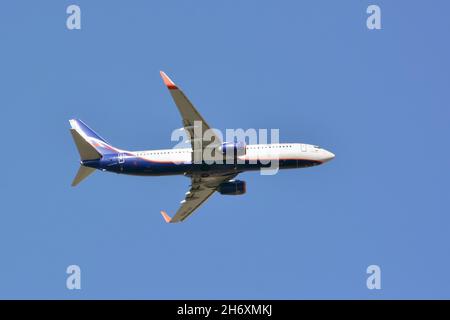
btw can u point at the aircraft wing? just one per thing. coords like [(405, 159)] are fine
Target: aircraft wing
[(201, 189), (193, 122)]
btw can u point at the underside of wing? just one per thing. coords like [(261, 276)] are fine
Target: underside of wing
[(193, 122), (201, 189)]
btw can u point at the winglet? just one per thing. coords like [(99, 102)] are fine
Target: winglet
[(166, 216), (169, 83)]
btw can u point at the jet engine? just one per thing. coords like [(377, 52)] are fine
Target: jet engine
[(233, 187)]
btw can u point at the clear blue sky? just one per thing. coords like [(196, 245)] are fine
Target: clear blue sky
[(378, 99)]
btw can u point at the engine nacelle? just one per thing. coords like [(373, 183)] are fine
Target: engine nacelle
[(233, 149), (233, 187)]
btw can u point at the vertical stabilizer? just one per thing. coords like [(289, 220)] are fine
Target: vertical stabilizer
[(91, 137)]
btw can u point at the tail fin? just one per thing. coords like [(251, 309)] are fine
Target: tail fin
[(82, 173), (90, 138), (90, 147)]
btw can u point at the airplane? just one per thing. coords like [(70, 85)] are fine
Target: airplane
[(97, 154)]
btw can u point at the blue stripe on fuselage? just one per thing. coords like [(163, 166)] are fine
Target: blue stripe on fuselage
[(137, 166)]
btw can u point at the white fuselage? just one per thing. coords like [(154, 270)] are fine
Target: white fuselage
[(278, 151)]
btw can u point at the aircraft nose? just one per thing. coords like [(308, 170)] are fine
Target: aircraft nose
[(327, 155)]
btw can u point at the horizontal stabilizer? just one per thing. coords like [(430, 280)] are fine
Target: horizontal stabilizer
[(82, 173), (85, 149)]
